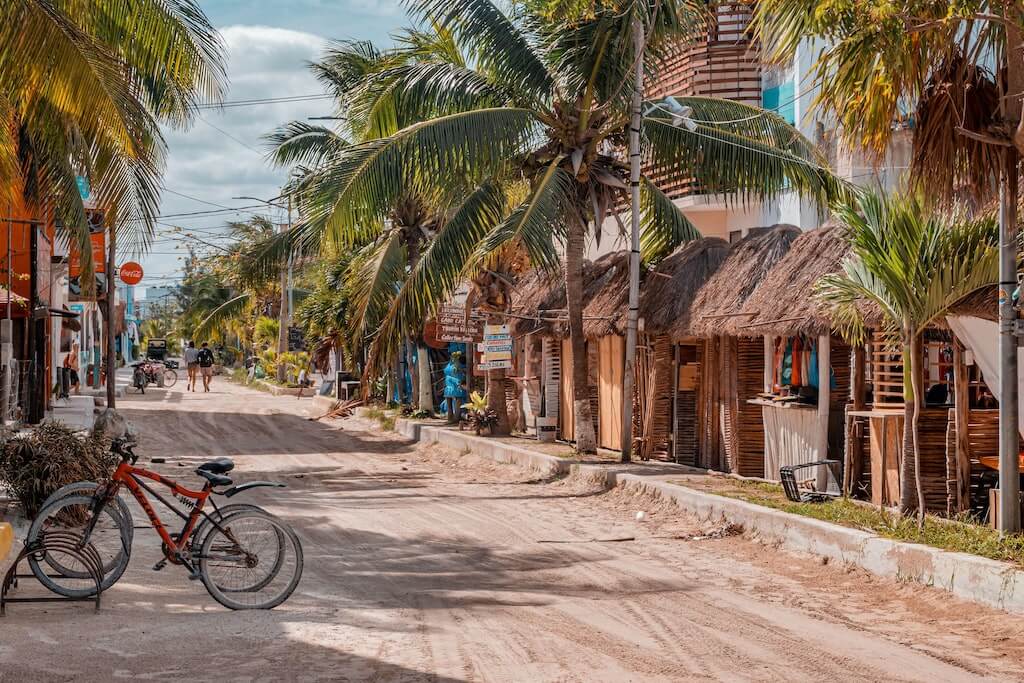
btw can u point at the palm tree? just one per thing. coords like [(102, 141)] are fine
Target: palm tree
[(83, 89), (228, 291), (83, 86), (356, 73), (913, 265), (540, 114)]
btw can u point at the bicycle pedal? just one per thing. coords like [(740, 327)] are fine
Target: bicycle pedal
[(159, 565)]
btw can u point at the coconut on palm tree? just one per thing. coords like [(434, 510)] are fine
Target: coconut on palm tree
[(912, 265), (542, 110)]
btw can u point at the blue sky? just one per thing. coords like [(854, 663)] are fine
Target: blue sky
[(269, 44)]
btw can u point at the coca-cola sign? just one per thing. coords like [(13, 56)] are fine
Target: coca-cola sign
[(131, 273)]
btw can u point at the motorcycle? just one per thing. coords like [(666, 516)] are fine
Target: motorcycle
[(149, 372)]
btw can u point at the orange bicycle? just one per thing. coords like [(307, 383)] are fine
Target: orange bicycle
[(246, 557)]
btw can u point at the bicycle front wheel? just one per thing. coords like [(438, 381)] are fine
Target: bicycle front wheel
[(170, 377), (69, 518), (252, 561)]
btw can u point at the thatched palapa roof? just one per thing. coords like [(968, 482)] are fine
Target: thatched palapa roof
[(540, 300), (719, 304), (669, 291), (784, 303)]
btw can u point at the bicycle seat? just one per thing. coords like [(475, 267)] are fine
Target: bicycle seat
[(218, 466), (213, 478)]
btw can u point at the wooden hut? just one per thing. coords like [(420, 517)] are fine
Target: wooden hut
[(806, 380), (857, 416), (732, 357), (542, 332), (668, 370)]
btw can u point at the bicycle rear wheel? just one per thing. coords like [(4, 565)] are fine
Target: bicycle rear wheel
[(170, 377), (88, 488), (253, 561), (70, 516)]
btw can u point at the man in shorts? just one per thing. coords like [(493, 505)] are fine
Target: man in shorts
[(205, 358), (192, 363)]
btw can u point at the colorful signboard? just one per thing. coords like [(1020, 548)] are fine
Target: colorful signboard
[(131, 273)]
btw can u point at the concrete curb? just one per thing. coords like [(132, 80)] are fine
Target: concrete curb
[(978, 579)]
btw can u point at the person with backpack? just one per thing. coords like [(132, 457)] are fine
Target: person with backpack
[(205, 360)]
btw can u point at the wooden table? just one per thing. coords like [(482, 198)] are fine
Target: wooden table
[(885, 432)]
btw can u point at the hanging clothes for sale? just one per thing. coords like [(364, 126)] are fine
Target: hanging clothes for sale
[(797, 377)]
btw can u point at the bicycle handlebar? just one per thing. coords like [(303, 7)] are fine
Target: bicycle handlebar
[(123, 446)]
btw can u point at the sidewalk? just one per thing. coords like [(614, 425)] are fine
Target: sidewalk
[(979, 579)]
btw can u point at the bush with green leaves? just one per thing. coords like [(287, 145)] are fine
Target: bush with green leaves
[(34, 466)]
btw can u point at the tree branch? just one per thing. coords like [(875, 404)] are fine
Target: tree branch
[(981, 137)]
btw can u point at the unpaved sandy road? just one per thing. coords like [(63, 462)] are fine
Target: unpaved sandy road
[(429, 565)]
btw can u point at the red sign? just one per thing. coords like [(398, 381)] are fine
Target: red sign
[(99, 249), (131, 273)]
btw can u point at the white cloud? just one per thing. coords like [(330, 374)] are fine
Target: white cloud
[(264, 62)]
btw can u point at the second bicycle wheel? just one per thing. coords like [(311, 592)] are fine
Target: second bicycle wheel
[(252, 561), (70, 516), (170, 377)]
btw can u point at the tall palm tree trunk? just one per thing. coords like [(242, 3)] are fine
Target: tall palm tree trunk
[(496, 392), (916, 349), (586, 440), (908, 491), (111, 324)]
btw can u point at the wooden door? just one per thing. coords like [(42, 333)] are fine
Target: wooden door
[(566, 414), (611, 367)]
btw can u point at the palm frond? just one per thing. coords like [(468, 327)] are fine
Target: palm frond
[(300, 143), (538, 221), (496, 43), (358, 190), (663, 227), (749, 161), (374, 278), (441, 267), (230, 309), (404, 95)]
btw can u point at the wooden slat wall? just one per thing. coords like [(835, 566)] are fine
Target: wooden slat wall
[(652, 405), (566, 413), (726, 64), (750, 430), (611, 360), (552, 377), (841, 369), (709, 419), (983, 437)]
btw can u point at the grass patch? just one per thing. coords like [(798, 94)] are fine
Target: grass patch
[(385, 418), (956, 535)]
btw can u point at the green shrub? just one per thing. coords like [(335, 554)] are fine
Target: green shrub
[(52, 456)]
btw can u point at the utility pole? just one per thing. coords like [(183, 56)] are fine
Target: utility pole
[(111, 311), (6, 335), (1009, 439), (629, 371)]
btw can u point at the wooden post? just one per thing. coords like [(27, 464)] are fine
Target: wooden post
[(962, 417), (824, 400), (853, 453), (674, 431)]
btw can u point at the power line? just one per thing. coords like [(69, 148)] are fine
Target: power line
[(263, 100), (230, 136)]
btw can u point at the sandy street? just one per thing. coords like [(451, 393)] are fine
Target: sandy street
[(431, 565)]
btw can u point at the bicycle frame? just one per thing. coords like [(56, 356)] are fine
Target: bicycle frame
[(132, 478)]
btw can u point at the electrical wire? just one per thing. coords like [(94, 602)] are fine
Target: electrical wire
[(230, 136), (774, 110), (263, 101)]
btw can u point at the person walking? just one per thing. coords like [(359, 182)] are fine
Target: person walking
[(192, 363), (205, 359), (71, 362)]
